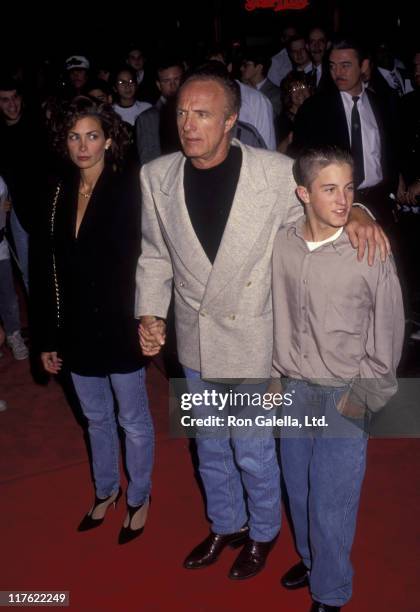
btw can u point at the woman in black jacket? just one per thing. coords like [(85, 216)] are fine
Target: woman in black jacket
[(85, 292)]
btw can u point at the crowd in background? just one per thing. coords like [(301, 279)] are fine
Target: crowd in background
[(287, 103)]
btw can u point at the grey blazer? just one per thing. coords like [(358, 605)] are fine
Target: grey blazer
[(223, 313)]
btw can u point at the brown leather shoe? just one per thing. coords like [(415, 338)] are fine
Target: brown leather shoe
[(320, 607), (251, 559), (297, 577), (208, 551)]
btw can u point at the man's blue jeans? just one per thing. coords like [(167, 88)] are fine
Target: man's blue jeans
[(323, 469), (233, 460), (97, 401)]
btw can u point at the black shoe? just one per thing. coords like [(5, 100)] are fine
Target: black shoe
[(296, 578), (321, 607), (251, 559), (208, 551), (88, 522), (134, 522)]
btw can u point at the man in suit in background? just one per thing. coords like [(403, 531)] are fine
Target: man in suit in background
[(254, 69), (357, 120), (298, 53), (156, 131), (210, 215), (280, 63), (317, 45)]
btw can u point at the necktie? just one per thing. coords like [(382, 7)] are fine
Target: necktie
[(357, 144), (313, 78), (397, 84)]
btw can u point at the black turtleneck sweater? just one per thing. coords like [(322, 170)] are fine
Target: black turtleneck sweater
[(209, 195)]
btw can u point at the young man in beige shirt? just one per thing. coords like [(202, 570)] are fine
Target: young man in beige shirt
[(338, 333)]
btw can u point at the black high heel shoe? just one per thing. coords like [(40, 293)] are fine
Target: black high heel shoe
[(88, 522), (137, 514)]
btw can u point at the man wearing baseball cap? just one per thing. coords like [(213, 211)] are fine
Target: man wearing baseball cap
[(77, 67)]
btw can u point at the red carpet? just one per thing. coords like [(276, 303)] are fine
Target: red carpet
[(46, 489)]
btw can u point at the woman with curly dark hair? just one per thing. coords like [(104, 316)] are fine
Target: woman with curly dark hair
[(84, 296)]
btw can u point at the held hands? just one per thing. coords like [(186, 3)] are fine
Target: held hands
[(51, 362), (152, 335), (362, 231)]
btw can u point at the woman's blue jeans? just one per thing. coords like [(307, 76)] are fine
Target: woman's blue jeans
[(96, 396)]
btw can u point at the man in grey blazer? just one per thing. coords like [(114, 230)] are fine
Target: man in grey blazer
[(210, 216)]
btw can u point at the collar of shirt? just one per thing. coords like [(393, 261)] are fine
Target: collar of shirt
[(390, 76), (316, 244), (260, 84), (307, 69), (296, 229), (348, 98), (348, 102)]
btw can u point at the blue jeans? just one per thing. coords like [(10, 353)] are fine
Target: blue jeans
[(96, 395), (9, 308), (21, 240), (231, 461), (323, 469)]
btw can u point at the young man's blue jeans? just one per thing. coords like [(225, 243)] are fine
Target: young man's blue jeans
[(323, 469), (97, 401), (234, 459)]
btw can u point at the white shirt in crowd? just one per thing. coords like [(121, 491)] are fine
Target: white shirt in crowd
[(396, 81), (280, 67), (370, 138), (257, 110), (130, 113)]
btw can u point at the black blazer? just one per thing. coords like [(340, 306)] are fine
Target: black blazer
[(410, 136), (90, 321), (321, 120)]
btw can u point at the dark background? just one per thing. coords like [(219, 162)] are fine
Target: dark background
[(33, 33)]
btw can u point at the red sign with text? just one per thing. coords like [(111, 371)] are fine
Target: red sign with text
[(276, 5)]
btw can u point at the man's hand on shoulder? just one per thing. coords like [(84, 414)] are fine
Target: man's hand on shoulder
[(152, 335), (362, 230)]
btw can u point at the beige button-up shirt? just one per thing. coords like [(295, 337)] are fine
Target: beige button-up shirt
[(336, 320)]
